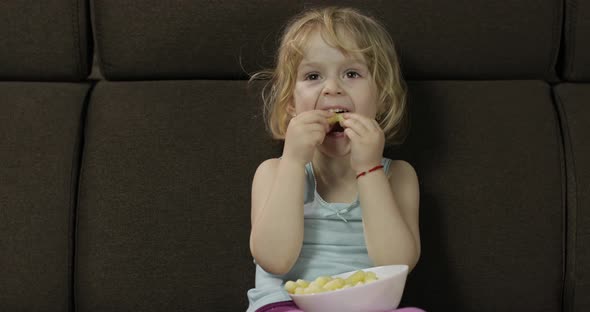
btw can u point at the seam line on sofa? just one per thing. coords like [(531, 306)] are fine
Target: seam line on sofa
[(568, 289), (556, 39), (75, 192)]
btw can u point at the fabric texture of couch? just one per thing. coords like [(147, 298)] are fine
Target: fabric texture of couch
[(129, 136)]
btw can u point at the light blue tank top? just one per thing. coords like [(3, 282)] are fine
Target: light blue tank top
[(333, 243)]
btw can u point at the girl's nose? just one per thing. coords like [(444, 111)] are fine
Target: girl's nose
[(332, 87)]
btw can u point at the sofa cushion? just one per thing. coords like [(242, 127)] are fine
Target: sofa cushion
[(572, 100), (470, 40), (487, 155), (40, 133), (45, 40), (164, 210), (576, 66), (437, 40), (151, 39)]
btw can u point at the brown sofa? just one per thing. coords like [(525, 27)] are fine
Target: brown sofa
[(125, 186)]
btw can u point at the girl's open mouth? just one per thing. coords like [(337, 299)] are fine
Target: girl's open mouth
[(335, 127), (336, 130)]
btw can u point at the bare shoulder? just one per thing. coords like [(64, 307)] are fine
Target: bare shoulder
[(402, 172), (266, 168), (404, 180), (405, 188), (261, 184)]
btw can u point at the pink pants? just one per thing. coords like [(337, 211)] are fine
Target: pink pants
[(289, 306)]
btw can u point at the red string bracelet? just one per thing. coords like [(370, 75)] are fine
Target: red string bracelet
[(370, 170)]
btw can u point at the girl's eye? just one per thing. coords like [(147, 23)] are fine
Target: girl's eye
[(312, 77), (352, 74)]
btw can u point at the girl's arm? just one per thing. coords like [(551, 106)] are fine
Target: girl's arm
[(389, 206), (277, 214), (390, 215), (278, 193)]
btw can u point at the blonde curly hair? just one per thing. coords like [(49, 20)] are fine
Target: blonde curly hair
[(337, 26)]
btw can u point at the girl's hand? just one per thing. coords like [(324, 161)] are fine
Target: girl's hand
[(304, 133), (367, 141)]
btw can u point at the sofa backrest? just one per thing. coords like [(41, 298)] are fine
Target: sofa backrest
[(571, 99), (576, 50), (163, 218), (129, 188), (469, 138), (44, 62), (45, 41)]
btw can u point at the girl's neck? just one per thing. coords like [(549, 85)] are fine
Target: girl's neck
[(332, 171), (335, 180)]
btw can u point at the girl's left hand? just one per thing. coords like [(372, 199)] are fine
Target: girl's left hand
[(367, 141)]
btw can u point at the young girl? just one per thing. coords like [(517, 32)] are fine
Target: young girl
[(332, 203)]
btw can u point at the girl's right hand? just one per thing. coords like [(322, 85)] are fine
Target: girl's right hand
[(305, 132)]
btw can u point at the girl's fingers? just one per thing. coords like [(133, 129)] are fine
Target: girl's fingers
[(318, 136), (376, 123), (358, 126), (368, 123), (322, 118), (351, 134), (315, 117), (319, 127), (320, 115)]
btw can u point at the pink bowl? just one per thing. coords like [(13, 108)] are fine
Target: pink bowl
[(381, 295)]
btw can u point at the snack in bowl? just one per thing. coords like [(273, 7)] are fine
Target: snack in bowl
[(333, 294), (328, 283)]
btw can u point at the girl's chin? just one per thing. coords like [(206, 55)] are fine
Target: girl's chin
[(336, 144)]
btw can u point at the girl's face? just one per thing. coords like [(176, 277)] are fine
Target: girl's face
[(327, 79)]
